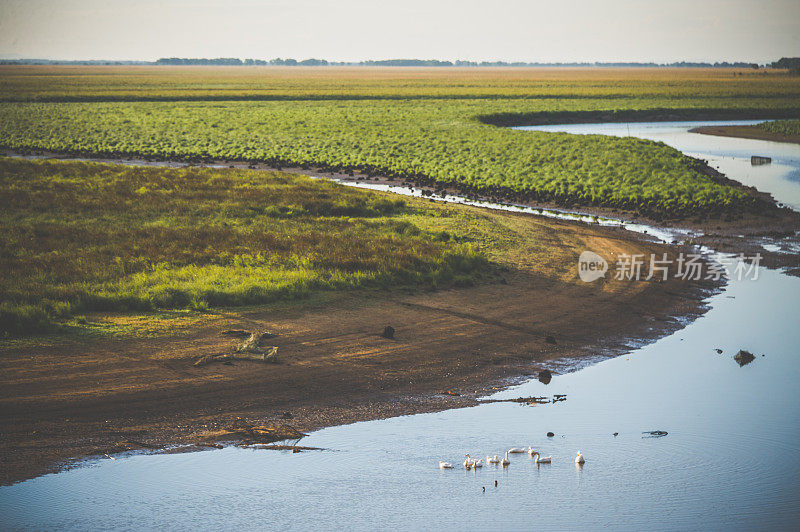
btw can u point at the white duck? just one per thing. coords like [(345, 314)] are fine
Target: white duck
[(492, 459), (517, 450), (579, 459), (505, 461), (445, 465), (532, 451), (468, 462), (543, 459), (477, 463)]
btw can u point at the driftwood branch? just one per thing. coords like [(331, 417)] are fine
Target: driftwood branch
[(250, 349)]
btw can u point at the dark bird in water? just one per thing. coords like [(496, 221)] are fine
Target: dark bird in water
[(616, 434), (495, 483), (484, 489)]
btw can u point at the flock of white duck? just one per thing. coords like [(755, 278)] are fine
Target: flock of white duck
[(471, 463)]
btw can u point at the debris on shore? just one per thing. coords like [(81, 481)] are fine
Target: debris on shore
[(249, 434), (250, 349), (253, 344), (267, 355)]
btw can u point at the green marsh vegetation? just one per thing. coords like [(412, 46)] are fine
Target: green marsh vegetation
[(782, 127), (81, 237), (432, 126)]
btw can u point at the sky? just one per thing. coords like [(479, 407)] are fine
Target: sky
[(352, 30)]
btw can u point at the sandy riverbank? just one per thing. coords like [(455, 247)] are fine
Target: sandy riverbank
[(74, 398), (746, 132)]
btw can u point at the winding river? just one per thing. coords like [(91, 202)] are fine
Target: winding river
[(731, 458)]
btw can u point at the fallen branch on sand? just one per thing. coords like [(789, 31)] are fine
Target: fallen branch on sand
[(250, 349), (269, 355)]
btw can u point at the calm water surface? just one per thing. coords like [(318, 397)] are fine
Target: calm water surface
[(731, 458)]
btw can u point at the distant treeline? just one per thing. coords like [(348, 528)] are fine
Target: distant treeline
[(436, 63), (791, 63), (233, 61)]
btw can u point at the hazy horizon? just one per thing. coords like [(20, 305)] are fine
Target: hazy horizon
[(357, 30)]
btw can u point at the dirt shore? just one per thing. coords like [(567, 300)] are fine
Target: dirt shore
[(746, 132), (71, 398)]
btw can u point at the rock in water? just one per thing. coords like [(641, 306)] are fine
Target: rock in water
[(744, 357), (388, 332), (545, 376)]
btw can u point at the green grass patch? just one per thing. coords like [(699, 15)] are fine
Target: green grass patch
[(782, 127), (83, 237)]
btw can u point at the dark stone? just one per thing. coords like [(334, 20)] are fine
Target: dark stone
[(545, 376), (743, 357), (550, 434), (549, 339), (287, 415), (388, 332)]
